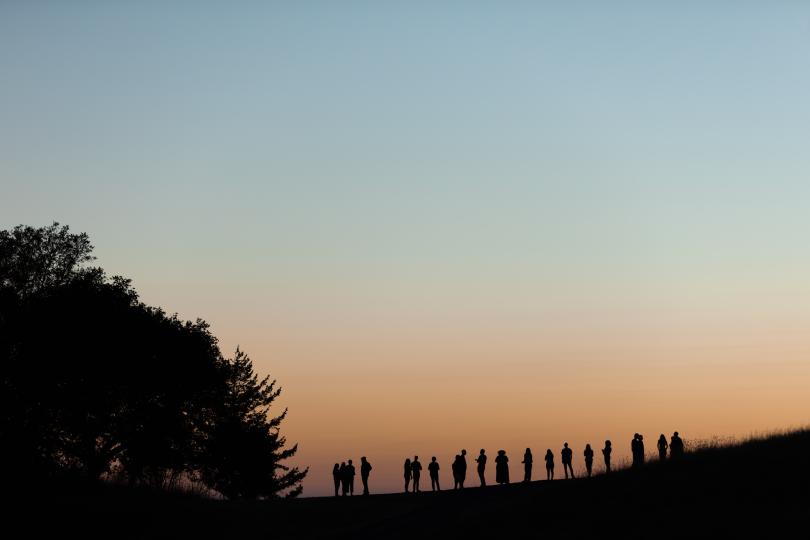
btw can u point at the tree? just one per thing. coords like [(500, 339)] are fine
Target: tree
[(91, 378), (245, 448), (37, 259)]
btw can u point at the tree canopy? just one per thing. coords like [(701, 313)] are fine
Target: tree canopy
[(94, 382)]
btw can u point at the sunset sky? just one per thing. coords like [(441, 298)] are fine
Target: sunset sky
[(468, 225)]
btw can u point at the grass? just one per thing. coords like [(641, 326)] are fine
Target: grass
[(751, 488)]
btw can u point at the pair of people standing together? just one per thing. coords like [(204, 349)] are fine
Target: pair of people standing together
[(501, 467)]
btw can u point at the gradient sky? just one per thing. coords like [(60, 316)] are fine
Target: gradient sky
[(474, 224)]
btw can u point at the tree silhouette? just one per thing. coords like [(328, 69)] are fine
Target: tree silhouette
[(92, 379), (245, 449)]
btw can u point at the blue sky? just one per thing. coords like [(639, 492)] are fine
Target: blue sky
[(295, 171)]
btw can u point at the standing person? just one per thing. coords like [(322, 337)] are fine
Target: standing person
[(462, 468), (482, 465), (417, 472), (527, 465), (350, 478), (634, 445), (549, 465), (588, 459), (365, 470), (455, 468), (502, 468), (567, 458), (662, 447), (675, 446), (433, 470), (344, 484), (606, 451), (640, 450), (336, 478), (408, 472)]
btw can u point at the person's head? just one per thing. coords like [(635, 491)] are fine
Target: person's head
[(407, 461), (416, 458), (640, 437), (337, 465), (676, 434), (565, 445), (363, 459), (433, 458), (608, 443), (587, 447), (350, 462), (482, 452), (463, 452), (662, 437), (501, 452), (342, 463), (635, 435), (549, 453), (528, 450)]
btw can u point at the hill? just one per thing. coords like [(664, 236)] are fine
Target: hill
[(758, 488)]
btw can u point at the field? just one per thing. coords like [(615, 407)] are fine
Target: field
[(755, 489)]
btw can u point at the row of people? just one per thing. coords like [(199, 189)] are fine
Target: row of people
[(343, 476), (344, 473)]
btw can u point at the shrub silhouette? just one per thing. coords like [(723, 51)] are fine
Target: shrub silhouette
[(91, 378)]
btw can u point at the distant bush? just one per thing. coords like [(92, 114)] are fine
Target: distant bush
[(95, 383)]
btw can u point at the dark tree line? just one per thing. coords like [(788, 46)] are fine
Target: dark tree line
[(94, 381)]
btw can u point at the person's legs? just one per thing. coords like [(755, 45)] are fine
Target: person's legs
[(365, 485)]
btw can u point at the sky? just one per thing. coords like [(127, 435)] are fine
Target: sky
[(443, 225)]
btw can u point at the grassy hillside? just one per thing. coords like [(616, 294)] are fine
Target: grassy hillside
[(749, 490)]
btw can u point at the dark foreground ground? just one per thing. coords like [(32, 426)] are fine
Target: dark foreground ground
[(759, 489)]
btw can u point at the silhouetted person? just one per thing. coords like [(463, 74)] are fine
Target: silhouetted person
[(567, 456), (662, 447), (527, 465), (482, 465), (641, 456), (417, 472), (502, 467), (588, 459), (350, 477), (365, 470), (408, 472), (675, 446), (549, 465), (606, 451), (433, 470), (344, 484), (456, 471), (462, 468), (637, 447), (336, 478)]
